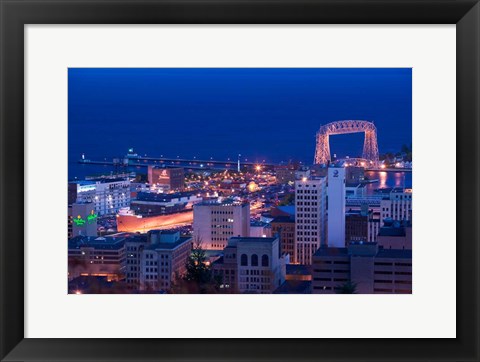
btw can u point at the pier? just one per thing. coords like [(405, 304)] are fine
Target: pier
[(132, 160)]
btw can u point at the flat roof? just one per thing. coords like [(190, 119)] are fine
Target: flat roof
[(96, 242), (252, 239), (391, 231), (259, 223), (332, 252), (289, 209), (152, 196), (283, 219), (168, 246), (394, 253), (298, 269), (382, 253)]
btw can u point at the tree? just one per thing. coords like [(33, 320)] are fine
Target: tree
[(197, 268), (346, 288), (198, 278)]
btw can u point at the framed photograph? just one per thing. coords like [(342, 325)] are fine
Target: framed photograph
[(207, 180)]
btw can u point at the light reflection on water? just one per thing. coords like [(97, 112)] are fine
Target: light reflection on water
[(388, 179)]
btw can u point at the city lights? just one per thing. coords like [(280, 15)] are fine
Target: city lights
[(207, 218)]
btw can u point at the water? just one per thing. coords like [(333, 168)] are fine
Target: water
[(388, 179)]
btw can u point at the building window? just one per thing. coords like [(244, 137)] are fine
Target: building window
[(264, 260), (254, 260), (244, 260)]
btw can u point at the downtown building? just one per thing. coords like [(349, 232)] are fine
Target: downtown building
[(395, 235), (163, 260), (310, 217), (154, 204), (82, 219), (166, 179), (336, 194), (215, 223), (91, 256), (397, 205), (361, 225), (285, 174), (251, 265), (370, 268), (283, 227), (107, 195)]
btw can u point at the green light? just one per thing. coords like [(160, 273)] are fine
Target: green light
[(79, 221), (92, 218)]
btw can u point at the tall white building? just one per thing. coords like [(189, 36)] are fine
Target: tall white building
[(108, 195), (397, 205), (336, 207), (310, 217), (215, 223)]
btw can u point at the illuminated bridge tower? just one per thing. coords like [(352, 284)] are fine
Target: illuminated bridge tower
[(370, 146)]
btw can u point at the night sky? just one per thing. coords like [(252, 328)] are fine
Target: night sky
[(270, 114)]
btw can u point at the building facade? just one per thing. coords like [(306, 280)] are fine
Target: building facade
[(215, 223), (310, 217), (163, 260), (166, 178), (395, 235), (260, 229), (372, 270), (397, 205), (336, 207), (134, 246), (96, 256), (83, 219), (284, 228), (108, 195), (285, 173), (154, 204), (252, 265), (356, 226)]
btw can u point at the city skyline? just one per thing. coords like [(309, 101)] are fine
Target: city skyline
[(226, 110), (178, 181)]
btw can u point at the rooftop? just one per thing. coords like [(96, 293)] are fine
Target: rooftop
[(226, 202), (289, 209), (100, 243), (382, 253), (169, 246), (152, 196), (250, 239), (284, 219), (96, 181), (394, 253), (259, 223), (392, 231), (331, 252), (298, 269)]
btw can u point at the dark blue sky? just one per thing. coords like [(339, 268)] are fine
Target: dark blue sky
[(267, 113)]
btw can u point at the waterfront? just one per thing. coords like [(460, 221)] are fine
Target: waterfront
[(255, 184), (388, 179), (385, 179)]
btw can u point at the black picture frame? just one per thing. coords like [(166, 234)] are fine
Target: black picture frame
[(15, 14)]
